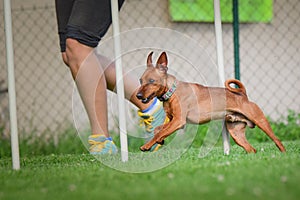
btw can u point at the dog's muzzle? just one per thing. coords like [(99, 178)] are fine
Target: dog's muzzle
[(139, 95)]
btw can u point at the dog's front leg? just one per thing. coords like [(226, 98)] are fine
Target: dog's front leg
[(163, 131)]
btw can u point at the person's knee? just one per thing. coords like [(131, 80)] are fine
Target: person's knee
[(75, 54), (72, 50), (65, 58)]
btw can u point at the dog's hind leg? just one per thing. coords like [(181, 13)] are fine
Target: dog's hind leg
[(255, 114), (237, 131)]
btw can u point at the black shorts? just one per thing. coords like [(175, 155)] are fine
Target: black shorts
[(87, 21)]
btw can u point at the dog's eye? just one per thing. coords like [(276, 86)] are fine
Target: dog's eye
[(151, 81), (141, 81)]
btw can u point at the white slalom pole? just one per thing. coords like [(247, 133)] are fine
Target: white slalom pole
[(119, 79), (220, 58), (11, 87), (219, 41)]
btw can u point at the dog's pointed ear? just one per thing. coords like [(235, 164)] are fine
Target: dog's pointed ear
[(162, 62), (149, 60)]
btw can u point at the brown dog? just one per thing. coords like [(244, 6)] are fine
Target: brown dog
[(194, 103)]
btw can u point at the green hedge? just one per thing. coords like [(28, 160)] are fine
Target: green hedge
[(286, 129)]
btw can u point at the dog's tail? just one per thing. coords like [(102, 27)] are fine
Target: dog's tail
[(241, 88)]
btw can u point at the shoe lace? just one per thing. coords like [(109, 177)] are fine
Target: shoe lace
[(146, 120)]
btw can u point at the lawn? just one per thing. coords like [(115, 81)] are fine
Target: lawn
[(269, 174)]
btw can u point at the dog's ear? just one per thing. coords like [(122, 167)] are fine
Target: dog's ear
[(162, 62), (149, 59)]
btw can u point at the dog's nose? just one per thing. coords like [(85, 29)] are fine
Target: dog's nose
[(139, 95)]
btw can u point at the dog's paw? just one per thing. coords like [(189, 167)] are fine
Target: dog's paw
[(144, 148), (161, 142)]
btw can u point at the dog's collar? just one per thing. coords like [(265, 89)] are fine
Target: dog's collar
[(169, 93)]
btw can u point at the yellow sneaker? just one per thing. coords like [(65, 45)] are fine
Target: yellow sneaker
[(151, 118), (100, 145)]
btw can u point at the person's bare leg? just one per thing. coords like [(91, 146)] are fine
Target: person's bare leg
[(90, 80), (131, 83), (152, 113)]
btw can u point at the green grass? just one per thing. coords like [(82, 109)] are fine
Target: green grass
[(268, 174), (64, 170)]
